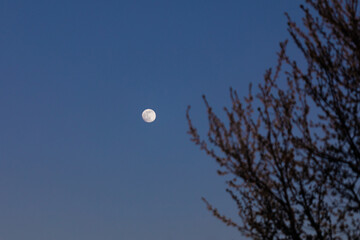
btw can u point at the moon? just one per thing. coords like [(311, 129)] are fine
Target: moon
[(148, 115)]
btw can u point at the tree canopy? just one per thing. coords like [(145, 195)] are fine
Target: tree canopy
[(292, 155)]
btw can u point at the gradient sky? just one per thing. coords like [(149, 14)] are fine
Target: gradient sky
[(77, 162)]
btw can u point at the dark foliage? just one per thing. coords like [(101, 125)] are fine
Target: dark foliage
[(293, 164)]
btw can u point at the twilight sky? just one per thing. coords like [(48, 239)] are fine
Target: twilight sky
[(77, 162)]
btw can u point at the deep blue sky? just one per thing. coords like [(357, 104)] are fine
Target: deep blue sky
[(76, 159)]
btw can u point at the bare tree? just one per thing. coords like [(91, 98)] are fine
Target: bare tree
[(293, 163)]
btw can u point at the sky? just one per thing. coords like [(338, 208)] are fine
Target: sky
[(76, 159)]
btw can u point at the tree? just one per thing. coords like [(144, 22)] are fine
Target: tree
[(293, 163)]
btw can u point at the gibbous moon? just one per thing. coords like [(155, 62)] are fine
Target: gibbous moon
[(148, 115)]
